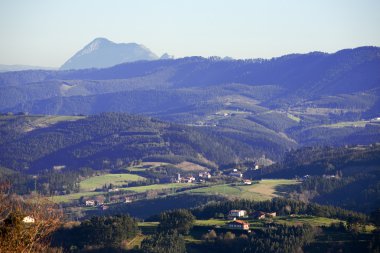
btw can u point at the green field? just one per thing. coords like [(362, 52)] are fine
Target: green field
[(92, 183), (305, 219), (293, 117), (55, 119), (298, 220), (157, 187), (262, 190), (88, 193), (210, 222), (361, 123), (73, 196)]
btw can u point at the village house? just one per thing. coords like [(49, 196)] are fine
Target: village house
[(259, 215), (99, 202), (236, 174), (103, 207), (190, 179), (238, 224), (205, 174), (28, 219), (237, 214), (247, 182), (271, 215), (329, 176), (58, 167), (90, 202)]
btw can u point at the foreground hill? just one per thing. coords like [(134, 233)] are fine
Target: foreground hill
[(114, 139)]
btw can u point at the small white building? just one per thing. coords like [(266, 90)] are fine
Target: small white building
[(28, 219), (247, 182), (90, 202), (237, 213), (190, 179), (58, 167), (236, 174), (205, 174)]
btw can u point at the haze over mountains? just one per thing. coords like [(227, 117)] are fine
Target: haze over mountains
[(7, 68), (271, 105)]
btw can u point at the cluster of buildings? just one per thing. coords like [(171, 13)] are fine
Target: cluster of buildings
[(92, 202), (202, 176), (235, 215), (98, 203), (236, 173)]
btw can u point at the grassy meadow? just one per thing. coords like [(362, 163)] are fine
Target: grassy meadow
[(262, 190), (92, 183)]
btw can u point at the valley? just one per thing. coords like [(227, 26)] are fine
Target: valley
[(199, 138)]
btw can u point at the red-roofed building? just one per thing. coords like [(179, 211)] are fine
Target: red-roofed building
[(238, 224)]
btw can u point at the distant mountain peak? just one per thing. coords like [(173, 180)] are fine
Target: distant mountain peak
[(102, 53), (95, 45), (166, 56)]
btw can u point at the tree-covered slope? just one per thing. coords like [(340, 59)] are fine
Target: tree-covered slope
[(112, 139), (346, 176)]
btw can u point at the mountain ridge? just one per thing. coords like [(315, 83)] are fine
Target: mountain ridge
[(313, 99), (101, 53)]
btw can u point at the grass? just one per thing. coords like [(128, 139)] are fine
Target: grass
[(157, 187), (135, 242), (137, 189), (73, 196), (148, 224), (298, 220), (56, 119), (361, 123), (293, 117), (135, 169), (210, 222), (262, 190), (188, 166), (92, 183), (306, 219)]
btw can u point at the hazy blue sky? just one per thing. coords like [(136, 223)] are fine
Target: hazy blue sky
[(48, 32)]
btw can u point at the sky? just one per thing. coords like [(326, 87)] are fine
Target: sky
[(48, 32)]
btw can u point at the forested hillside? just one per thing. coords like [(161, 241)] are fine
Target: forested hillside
[(296, 100), (111, 140), (346, 176)]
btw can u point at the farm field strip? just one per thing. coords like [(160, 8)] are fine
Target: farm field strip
[(92, 183), (263, 190)]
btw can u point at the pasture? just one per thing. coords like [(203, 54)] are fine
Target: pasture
[(259, 191), (90, 184)]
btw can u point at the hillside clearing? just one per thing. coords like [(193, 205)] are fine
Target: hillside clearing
[(90, 184), (261, 190), (157, 187)]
